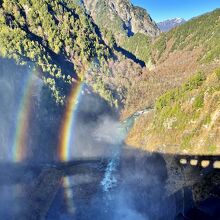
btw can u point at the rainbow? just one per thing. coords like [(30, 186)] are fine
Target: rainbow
[(19, 149), (68, 122)]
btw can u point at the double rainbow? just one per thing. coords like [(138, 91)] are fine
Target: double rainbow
[(19, 149)]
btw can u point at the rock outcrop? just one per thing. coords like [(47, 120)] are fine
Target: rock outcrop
[(121, 16)]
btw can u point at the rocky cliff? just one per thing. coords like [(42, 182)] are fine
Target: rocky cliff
[(121, 17)]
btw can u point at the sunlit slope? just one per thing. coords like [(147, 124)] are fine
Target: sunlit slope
[(186, 119), (174, 57), (199, 36), (200, 32)]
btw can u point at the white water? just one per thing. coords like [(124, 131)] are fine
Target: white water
[(110, 179)]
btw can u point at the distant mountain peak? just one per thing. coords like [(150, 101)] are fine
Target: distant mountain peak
[(178, 20), (170, 24)]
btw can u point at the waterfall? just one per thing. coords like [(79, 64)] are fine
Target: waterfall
[(110, 179)]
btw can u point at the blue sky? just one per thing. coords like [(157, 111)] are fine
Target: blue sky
[(164, 9)]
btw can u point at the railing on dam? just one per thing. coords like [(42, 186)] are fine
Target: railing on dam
[(8, 170), (206, 161)]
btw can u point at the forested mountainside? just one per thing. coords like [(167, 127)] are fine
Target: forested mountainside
[(176, 56), (65, 44), (105, 43), (186, 119), (57, 36), (200, 32), (199, 35), (189, 111)]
